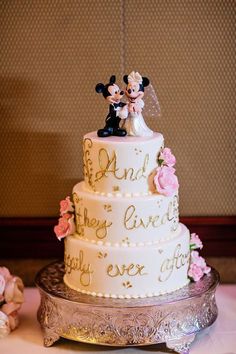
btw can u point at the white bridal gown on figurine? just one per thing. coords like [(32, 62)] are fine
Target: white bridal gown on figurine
[(134, 124)]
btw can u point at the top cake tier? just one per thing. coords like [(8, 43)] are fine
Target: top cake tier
[(121, 165)]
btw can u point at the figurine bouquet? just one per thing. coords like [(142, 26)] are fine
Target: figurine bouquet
[(11, 298)]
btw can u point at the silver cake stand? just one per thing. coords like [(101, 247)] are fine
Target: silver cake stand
[(174, 318)]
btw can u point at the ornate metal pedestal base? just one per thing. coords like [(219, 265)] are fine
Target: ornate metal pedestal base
[(174, 318)]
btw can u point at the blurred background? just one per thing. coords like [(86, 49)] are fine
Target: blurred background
[(52, 55)]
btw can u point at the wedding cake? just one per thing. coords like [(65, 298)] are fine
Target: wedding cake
[(122, 234)]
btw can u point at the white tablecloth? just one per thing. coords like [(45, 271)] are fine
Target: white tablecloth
[(219, 339)]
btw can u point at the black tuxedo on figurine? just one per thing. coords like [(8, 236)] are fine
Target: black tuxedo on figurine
[(111, 92)]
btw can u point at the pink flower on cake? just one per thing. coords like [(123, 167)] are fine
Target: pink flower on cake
[(66, 206), (195, 242), (197, 267), (195, 272), (195, 258), (166, 181), (65, 227), (167, 158)]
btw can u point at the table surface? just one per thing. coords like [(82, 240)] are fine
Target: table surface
[(219, 339)]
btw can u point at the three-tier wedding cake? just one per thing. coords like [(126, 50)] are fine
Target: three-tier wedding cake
[(122, 233)]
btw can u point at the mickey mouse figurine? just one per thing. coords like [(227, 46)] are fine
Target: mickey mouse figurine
[(111, 92)]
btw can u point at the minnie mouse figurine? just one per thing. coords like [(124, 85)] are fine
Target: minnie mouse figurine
[(134, 123), (111, 92)]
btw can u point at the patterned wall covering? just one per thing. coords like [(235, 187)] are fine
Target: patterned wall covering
[(54, 52)]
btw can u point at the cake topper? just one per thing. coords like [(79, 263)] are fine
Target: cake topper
[(112, 93), (133, 122)]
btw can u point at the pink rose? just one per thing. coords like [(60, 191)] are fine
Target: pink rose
[(5, 273), (13, 320), (195, 272), (10, 310), (195, 242), (197, 267), (4, 325), (166, 181), (14, 290), (2, 284), (167, 157), (66, 206), (65, 227), (10, 307), (198, 260)]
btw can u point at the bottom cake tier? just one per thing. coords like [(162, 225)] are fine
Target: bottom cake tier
[(127, 272)]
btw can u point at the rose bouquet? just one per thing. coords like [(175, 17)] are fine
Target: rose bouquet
[(11, 298), (66, 224)]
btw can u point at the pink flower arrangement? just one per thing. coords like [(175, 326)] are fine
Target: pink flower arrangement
[(198, 266), (66, 206), (65, 227), (66, 224), (11, 298), (195, 242), (167, 158), (195, 272), (166, 181)]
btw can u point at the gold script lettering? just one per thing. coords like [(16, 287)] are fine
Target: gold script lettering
[(176, 262), (120, 270), (100, 226), (77, 263), (133, 221), (108, 165)]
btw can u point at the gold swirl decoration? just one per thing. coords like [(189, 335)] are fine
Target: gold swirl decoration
[(88, 165)]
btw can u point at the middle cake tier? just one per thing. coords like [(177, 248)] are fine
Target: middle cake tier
[(128, 221)]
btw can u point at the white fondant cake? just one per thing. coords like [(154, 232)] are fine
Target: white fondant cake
[(128, 240), (125, 272), (121, 166)]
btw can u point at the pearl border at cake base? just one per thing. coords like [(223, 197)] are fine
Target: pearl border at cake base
[(173, 319)]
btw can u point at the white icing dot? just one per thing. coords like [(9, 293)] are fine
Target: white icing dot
[(106, 295), (121, 297), (127, 296), (140, 244), (116, 244), (99, 294), (93, 293), (113, 296), (99, 243)]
